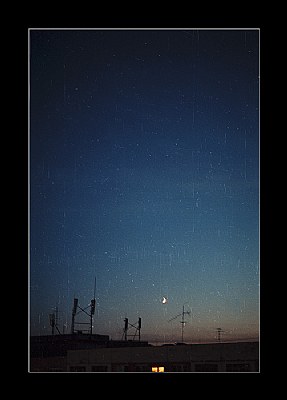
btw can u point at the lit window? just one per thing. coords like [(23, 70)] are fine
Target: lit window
[(157, 369)]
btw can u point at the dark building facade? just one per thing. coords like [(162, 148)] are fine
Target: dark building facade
[(212, 357), (48, 353), (96, 353)]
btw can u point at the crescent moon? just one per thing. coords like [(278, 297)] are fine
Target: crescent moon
[(164, 300)]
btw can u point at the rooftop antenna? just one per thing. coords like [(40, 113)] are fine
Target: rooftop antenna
[(54, 321), (126, 327), (74, 312), (183, 322), (93, 307), (137, 329), (219, 331), (90, 314)]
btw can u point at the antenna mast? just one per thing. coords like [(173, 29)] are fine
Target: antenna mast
[(183, 321), (54, 321), (137, 329), (92, 307), (219, 331)]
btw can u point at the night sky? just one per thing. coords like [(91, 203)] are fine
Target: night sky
[(144, 172)]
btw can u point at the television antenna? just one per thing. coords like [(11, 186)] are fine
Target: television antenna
[(183, 321), (137, 329), (90, 314), (219, 331), (53, 317)]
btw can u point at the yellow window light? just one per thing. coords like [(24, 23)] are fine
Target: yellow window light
[(157, 369)]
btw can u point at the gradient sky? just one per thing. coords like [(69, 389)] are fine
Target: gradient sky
[(144, 172)]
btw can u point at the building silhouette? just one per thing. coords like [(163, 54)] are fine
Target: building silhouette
[(97, 353)]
